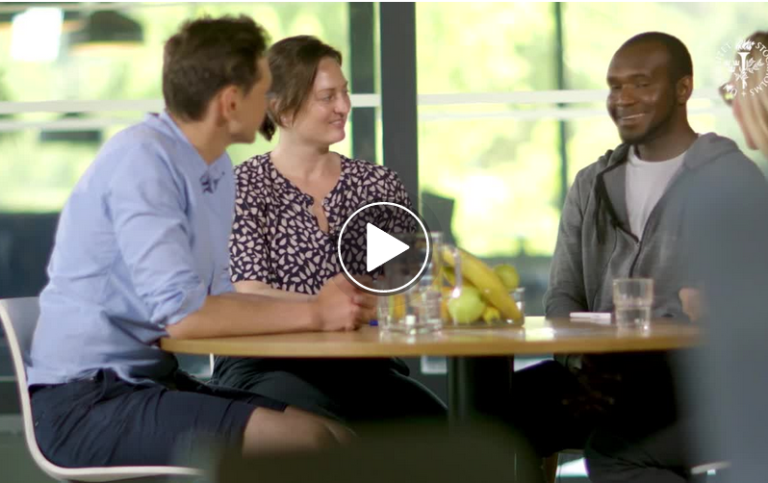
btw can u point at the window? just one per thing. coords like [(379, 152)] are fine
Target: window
[(497, 159), (491, 112), (705, 28), (45, 147)]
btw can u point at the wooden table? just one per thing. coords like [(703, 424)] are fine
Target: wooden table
[(537, 336), (474, 352)]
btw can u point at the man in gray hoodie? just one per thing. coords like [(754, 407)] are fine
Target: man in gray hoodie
[(625, 217), (725, 204)]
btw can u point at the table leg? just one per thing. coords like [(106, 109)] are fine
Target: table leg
[(479, 394), (478, 387)]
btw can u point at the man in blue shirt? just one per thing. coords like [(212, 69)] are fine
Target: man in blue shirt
[(141, 253)]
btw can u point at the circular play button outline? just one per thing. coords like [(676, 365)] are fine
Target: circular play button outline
[(411, 281)]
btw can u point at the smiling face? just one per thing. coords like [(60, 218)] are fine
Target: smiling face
[(323, 117), (642, 100)]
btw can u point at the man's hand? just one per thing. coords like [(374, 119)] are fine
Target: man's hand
[(341, 305), (692, 303)]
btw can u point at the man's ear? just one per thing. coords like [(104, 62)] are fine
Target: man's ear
[(684, 89), (229, 99)]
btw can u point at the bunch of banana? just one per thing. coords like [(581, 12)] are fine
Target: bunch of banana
[(485, 291)]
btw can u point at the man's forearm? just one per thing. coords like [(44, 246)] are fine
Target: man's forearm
[(234, 314), (273, 293), (262, 289)]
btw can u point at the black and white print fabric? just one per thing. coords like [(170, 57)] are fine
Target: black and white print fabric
[(277, 240)]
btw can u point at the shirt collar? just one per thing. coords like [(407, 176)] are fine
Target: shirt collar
[(165, 118)]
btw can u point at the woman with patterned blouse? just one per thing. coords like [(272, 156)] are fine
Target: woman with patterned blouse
[(291, 204)]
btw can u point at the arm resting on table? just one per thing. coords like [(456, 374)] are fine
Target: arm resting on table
[(234, 314), (261, 288)]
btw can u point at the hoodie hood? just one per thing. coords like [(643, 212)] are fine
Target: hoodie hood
[(610, 184)]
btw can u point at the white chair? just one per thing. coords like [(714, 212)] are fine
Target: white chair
[(19, 319)]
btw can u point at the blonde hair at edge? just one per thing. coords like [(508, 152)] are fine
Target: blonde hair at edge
[(755, 107)]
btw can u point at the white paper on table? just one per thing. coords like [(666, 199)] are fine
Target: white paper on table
[(603, 318)]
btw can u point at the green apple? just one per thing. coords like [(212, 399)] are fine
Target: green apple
[(508, 276), (467, 307)]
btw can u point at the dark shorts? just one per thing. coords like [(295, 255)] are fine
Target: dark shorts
[(105, 421), (353, 391)]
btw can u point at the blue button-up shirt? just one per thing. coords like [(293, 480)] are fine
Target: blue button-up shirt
[(141, 242)]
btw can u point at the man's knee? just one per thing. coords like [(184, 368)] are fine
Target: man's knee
[(269, 430), (320, 436)]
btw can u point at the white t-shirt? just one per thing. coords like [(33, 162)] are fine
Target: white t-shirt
[(646, 182)]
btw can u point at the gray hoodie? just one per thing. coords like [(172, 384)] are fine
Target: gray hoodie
[(595, 245)]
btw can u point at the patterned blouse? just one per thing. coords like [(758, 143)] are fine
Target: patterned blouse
[(277, 240)]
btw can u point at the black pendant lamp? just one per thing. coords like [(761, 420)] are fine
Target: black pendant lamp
[(107, 31)]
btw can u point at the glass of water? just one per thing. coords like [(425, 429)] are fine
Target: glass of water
[(633, 300), (417, 309)]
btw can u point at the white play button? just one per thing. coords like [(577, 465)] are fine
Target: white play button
[(380, 247), (383, 248)]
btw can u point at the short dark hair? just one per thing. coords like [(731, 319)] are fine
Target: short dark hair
[(293, 62), (207, 55), (680, 63)]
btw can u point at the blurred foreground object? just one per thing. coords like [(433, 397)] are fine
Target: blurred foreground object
[(416, 453)]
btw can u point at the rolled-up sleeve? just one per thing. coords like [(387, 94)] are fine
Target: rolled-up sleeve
[(147, 204), (222, 283)]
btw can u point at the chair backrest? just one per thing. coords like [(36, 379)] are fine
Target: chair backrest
[(18, 317)]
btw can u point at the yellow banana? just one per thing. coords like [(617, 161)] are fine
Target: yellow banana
[(487, 281), (444, 314), (449, 276), (491, 314)]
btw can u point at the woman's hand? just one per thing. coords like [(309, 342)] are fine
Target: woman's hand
[(341, 305)]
